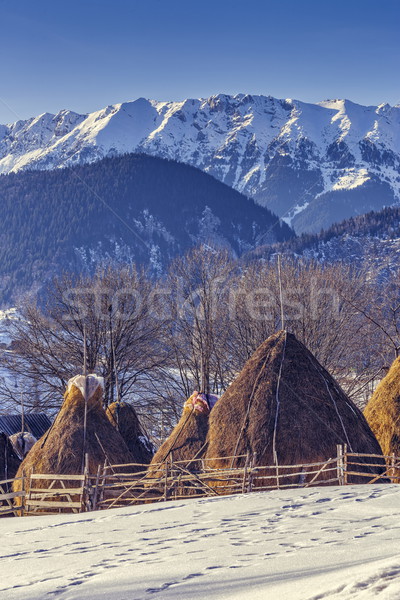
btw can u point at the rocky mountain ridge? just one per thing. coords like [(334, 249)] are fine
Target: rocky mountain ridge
[(312, 164)]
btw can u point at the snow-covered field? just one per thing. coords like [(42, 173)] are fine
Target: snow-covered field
[(317, 543)]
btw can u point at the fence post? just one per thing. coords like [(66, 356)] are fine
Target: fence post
[(21, 512), (85, 488), (252, 463), (245, 474), (392, 472), (96, 489), (103, 483), (166, 482), (172, 490), (345, 465), (339, 468)]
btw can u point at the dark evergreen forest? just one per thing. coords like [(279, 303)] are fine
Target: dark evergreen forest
[(383, 224), (151, 206)]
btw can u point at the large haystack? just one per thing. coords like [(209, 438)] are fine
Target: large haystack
[(125, 420), (61, 450), (284, 408), (9, 461), (383, 411)]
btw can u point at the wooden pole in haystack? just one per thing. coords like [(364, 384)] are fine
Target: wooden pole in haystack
[(114, 362), (85, 396), (111, 355), (22, 424), (22, 412), (204, 379), (113, 369), (280, 290), (205, 345), (202, 376)]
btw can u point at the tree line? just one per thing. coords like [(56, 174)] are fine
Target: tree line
[(384, 224)]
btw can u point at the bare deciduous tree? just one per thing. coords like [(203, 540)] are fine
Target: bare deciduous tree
[(198, 302), (155, 342), (317, 307), (111, 313)]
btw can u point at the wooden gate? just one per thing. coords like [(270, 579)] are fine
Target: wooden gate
[(56, 494)]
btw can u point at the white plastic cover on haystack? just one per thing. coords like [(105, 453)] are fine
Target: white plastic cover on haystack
[(93, 382), (22, 442)]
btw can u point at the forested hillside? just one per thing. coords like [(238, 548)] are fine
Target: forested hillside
[(130, 208), (372, 238)]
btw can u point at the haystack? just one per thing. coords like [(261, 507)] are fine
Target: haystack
[(186, 443), (125, 420), (22, 442), (62, 449), (383, 412), (187, 440), (9, 461), (284, 408)]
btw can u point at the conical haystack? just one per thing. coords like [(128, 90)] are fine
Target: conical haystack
[(62, 449), (185, 445), (9, 461), (187, 440), (383, 412), (125, 420), (284, 408)]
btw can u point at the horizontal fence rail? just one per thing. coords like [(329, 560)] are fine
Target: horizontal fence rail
[(122, 485)]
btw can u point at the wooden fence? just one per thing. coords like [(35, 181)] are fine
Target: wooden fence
[(180, 480), (8, 497), (124, 485)]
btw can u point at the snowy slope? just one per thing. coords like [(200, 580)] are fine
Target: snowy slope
[(314, 544), (287, 154), (6, 319)]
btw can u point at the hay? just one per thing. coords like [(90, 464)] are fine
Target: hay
[(125, 420), (284, 408), (187, 440), (61, 449), (9, 461), (383, 411)]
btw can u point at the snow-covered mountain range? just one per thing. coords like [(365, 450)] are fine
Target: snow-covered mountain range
[(312, 164)]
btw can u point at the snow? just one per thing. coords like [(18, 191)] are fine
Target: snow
[(93, 381), (6, 321), (234, 138), (334, 543), (293, 212), (351, 179), (122, 126), (309, 121)]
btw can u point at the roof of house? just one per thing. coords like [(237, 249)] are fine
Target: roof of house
[(36, 423)]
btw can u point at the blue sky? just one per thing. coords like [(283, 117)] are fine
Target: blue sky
[(84, 55)]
